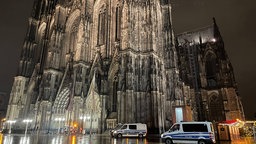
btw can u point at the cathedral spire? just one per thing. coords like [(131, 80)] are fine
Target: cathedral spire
[(217, 34)]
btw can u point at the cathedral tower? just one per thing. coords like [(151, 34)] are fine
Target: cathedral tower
[(97, 59), (204, 65)]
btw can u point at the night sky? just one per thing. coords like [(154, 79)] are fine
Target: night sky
[(236, 20)]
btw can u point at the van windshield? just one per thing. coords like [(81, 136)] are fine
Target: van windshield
[(118, 126), (175, 127), (212, 129), (124, 127)]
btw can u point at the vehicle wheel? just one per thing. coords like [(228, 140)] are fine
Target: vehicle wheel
[(119, 135), (168, 141), (201, 142), (140, 135)]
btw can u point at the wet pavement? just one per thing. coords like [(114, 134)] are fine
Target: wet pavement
[(93, 139)]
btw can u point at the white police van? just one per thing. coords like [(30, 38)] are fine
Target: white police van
[(190, 133), (130, 130)]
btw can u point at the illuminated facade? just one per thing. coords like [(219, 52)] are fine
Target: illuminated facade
[(90, 64)]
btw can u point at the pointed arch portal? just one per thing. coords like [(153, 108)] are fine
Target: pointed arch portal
[(61, 101)]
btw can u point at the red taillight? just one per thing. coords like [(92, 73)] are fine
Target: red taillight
[(211, 135)]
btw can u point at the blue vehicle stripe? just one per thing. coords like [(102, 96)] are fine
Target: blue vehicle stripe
[(193, 135)]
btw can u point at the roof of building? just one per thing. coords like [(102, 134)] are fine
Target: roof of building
[(206, 34)]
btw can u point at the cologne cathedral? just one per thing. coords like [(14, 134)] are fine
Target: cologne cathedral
[(91, 64)]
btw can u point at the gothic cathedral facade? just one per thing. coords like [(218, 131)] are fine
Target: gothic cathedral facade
[(90, 64)]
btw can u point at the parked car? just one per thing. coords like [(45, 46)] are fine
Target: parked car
[(130, 130), (190, 132)]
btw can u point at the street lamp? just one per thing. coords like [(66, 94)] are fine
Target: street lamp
[(27, 121), (10, 123), (59, 120), (83, 118)]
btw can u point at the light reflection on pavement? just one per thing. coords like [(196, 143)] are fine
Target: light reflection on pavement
[(72, 139), (87, 139)]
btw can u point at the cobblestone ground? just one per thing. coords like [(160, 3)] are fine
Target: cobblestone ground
[(93, 139)]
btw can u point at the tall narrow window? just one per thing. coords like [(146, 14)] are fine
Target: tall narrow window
[(211, 70), (73, 40), (118, 23), (114, 102), (101, 27)]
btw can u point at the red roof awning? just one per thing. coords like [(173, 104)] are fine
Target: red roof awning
[(237, 123), (229, 121)]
